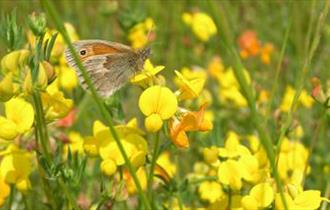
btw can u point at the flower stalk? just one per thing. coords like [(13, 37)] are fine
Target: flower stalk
[(152, 166)]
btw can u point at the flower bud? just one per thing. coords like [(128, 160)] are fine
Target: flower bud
[(210, 154), (8, 130), (50, 72), (42, 80), (90, 147), (153, 123), (6, 87), (317, 92), (108, 167), (13, 60), (138, 159), (23, 185)]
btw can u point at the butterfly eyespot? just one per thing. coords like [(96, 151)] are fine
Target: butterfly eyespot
[(82, 52)]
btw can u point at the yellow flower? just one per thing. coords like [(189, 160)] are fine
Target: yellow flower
[(297, 132), (55, 104), (191, 85), (6, 87), (59, 45), (263, 97), (75, 144), (108, 167), (138, 35), (4, 192), (211, 155), (142, 177), (67, 77), (232, 147), (19, 118), (158, 104), (190, 121), (14, 60), (144, 77), (265, 53), (16, 166), (236, 202), (215, 68), (103, 143), (292, 161), (304, 99), (250, 168), (230, 89), (23, 185), (254, 143), (134, 145), (40, 83), (260, 196), (165, 168), (210, 191), (225, 174), (220, 204), (201, 24), (309, 199), (93, 143)]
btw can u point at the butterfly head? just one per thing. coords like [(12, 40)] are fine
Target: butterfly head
[(142, 55)]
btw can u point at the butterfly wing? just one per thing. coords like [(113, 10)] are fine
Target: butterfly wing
[(108, 72), (109, 64)]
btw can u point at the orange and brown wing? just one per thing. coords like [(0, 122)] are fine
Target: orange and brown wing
[(89, 48)]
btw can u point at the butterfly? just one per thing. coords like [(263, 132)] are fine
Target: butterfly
[(109, 64)]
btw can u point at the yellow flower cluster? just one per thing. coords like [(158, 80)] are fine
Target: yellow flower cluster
[(139, 34), (15, 167), (65, 76), (159, 103), (102, 144), (229, 89), (243, 173), (17, 88), (305, 99), (201, 24)]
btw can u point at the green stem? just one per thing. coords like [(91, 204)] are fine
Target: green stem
[(181, 207), (66, 191), (49, 7), (278, 68), (26, 204), (42, 134), (41, 127), (152, 166), (46, 187), (326, 195), (315, 136), (206, 178), (38, 135), (11, 196)]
